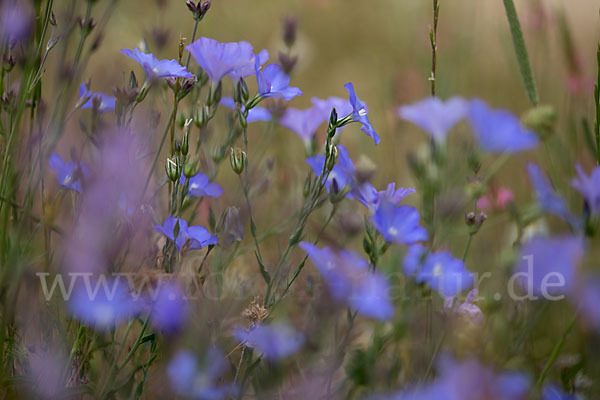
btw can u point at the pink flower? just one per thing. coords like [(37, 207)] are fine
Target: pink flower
[(496, 200)]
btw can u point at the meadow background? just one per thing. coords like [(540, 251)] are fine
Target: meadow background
[(383, 47)]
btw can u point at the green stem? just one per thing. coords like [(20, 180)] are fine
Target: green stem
[(555, 352)]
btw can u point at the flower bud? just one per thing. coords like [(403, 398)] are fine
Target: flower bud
[(307, 186), (470, 218), (243, 120), (237, 159), (333, 155), (133, 83), (333, 117), (189, 170), (214, 94), (173, 169), (541, 119)]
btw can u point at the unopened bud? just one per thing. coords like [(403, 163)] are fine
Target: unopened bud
[(541, 119), (189, 170), (173, 169), (52, 19), (333, 117), (133, 83), (242, 90), (470, 218), (237, 159), (333, 155)]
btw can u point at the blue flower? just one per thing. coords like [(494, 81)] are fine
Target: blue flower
[(15, 21), (499, 131), (169, 308), (547, 198), (351, 282), (372, 198), (359, 113), (589, 187), (445, 274), (254, 114), (342, 172), (587, 298), (342, 106), (105, 103), (68, 174), (273, 82), (548, 266), (398, 224), (413, 259), (155, 68), (103, 303), (200, 186), (467, 380), (276, 341), (303, 123), (554, 392), (434, 116), (190, 379), (197, 236), (236, 59)]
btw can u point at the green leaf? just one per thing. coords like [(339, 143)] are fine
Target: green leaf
[(521, 51)]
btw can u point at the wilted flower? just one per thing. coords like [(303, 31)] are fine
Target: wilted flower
[(435, 116), (105, 102), (351, 282), (68, 174), (273, 82), (236, 59), (589, 187), (276, 340), (199, 381), (200, 186), (547, 198), (499, 131), (445, 274), (197, 236), (359, 113), (254, 114), (467, 309), (106, 304), (548, 266), (398, 224), (155, 68)]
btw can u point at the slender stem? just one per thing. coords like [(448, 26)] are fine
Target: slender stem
[(187, 63), (467, 247), (160, 146), (556, 352)]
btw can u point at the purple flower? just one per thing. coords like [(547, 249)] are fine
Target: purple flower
[(398, 224), (547, 198), (351, 282), (68, 174), (548, 266), (15, 21), (200, 186), (105, 102), (104, 304), (276, 341), (434, 116), (445, 274), (342, 172), (197, 236), (372, 198), (413, 259), (190, 379), (342, 106), (273, 82), (589, 187), (303, 123), (359, 113), (254, 114), (235, 59), (468, 380), (587, 298), (554, 392), (499, 131), (155, 68), (168, 308)]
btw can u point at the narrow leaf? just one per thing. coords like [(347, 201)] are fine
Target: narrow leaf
[(521, 51)]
